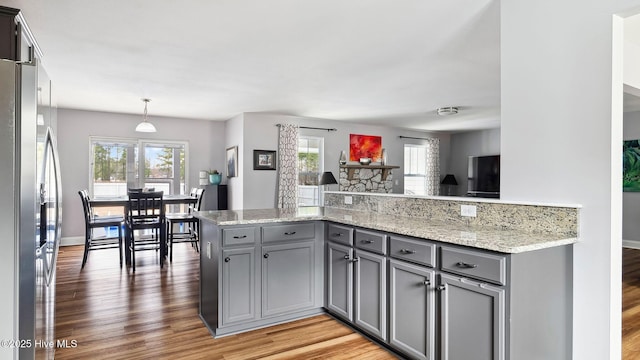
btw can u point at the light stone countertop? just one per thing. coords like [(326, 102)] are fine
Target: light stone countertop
[(505, 241)]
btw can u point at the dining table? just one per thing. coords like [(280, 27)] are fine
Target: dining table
[(122, 201)]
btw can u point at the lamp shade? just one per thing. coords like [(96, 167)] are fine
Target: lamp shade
[(145, 127), (327, 178), (449, 179)]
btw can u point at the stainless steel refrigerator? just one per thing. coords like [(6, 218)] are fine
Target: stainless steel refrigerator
[(30, 212)]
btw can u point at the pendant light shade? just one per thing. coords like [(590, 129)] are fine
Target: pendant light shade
[(145, 125)]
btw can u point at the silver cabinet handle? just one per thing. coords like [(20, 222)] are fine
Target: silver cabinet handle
[(347, 257), (442, 287), (266, 255), (336, 234), (466, 265), (290, 233), (366, 241), (426, 283), (240, 236), (227, 259), (354, 260), (407, 251)]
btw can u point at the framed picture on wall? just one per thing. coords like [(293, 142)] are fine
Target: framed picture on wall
[(264, 160), (232, 161)]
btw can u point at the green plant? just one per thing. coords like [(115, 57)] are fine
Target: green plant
[(213, 172)]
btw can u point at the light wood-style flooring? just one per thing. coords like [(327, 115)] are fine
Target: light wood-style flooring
[(153, 314), (630, 304)]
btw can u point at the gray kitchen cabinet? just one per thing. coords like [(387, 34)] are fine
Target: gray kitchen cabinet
[(288, 272), (412, 309), (472, 319), (371, 293), (340, 280), (238, 285)]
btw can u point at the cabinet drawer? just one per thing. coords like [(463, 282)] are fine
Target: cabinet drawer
[(288, 232), (238, 236), (371, 241), (416, 251), (340, 234), (475, 264)]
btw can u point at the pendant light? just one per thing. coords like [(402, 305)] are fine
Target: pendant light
[(145, 126)]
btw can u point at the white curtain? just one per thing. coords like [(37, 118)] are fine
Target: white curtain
[(433, 167), (288, 166)]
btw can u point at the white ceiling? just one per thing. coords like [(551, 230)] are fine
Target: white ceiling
[(378, 61)]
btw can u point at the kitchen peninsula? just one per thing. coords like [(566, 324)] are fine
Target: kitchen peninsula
[(425, 288)]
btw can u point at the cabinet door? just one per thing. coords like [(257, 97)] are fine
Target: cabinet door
[(371, 294), (412, 309), (340, 280), (288, 277), (238, 286), (472, 320)]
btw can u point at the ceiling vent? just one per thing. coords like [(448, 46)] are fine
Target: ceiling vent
[(449, 110)]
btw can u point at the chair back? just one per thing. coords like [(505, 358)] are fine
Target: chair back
[(198, 195), (145, 207), (86, 207)]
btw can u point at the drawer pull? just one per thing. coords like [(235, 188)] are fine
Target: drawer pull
[(426, 283), (336, 234), (367, 241), (266, 255), (240, 236), (227, 259), (465, 265), (347, 257), (442, 287), (290, 233), (354, 260), (407, 251)]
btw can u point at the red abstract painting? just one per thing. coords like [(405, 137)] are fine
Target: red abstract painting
[(364, 146)]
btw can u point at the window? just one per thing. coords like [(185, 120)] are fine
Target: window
[(415, 169), (119, 164), (310, 160), (422, 168)]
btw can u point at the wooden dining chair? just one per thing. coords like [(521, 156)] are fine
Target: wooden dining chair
[(145, 211), (190, 231), (91, 222)]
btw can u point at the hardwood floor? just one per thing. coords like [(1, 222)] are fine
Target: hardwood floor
[(630, 304), (153, 314)]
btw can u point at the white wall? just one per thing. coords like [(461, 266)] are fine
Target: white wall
[(261, 133), (631, 200), (206, 150), (234, 136), (473, 143), (561, 108)]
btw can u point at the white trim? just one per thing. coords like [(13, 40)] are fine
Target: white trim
[(631, 244), (72, 240)]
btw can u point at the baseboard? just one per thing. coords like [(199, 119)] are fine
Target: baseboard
[(632, 244), (72, 240)]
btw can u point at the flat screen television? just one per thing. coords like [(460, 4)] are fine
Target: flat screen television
[(484, 176)]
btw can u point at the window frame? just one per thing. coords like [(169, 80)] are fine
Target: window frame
[(139, 145)]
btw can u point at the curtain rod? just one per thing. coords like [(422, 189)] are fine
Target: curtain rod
[(411, 137), (313, 128)]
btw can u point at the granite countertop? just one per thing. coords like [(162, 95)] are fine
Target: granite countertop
[(505, 241)]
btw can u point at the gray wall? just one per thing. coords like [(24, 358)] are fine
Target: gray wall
[(234, 136), (473, 143), (561, 118), (206, 150), (261, 133), (631, 200)]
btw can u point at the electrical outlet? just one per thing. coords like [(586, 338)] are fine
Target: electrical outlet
[(468, 210), (348, 200)]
